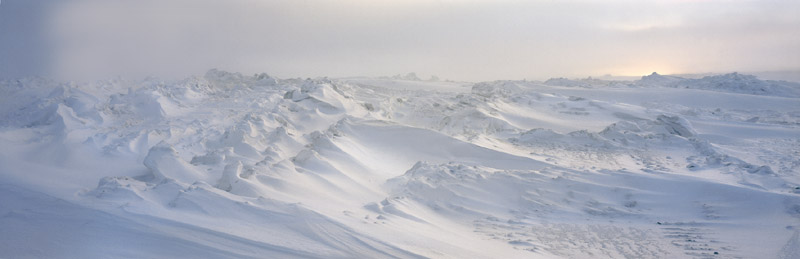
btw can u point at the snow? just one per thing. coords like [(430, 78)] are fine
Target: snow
[(232, 166), (733, 82)]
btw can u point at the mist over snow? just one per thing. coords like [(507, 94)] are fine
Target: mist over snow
[(399, 129), (466, 40)]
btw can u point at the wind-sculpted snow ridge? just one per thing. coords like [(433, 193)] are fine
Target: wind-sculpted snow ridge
[(731, 83), (232, 166)]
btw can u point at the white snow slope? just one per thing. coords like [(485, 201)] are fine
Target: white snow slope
[(232, 166)]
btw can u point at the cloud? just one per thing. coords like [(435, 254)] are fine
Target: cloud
[(468, 40)]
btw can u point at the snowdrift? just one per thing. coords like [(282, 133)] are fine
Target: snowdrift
[(233, 166)]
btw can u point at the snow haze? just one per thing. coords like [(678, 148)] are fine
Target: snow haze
[(461, 40), (399, 129)]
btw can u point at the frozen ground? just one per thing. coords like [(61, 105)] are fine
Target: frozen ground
[(236, 166)]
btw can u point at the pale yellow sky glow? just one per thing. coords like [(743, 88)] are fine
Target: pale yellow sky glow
[(456, 39)]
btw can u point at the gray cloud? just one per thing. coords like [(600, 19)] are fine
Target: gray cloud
[(467, 40)]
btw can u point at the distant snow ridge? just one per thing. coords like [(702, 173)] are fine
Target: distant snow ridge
[(499, 89), (656, 79), (227, 165), (566, 82), (410, 76), (733, 82), (749, 84)]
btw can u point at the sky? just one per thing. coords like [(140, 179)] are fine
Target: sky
[(466, 40)]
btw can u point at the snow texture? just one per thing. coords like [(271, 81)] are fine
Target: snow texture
[(232, 166)]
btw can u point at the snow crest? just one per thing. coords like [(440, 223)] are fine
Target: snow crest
[(237, 166)]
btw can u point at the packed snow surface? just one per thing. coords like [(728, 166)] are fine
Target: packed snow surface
[(233, 166)]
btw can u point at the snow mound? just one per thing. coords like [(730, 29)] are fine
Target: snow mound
[(747, 84), (410, 77), (732, 83), (566, 82), (496, 89), (163, 162), (459, 190), (230, 166), (656, 79)]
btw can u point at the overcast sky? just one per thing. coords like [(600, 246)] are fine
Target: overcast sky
[(455, 39)]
